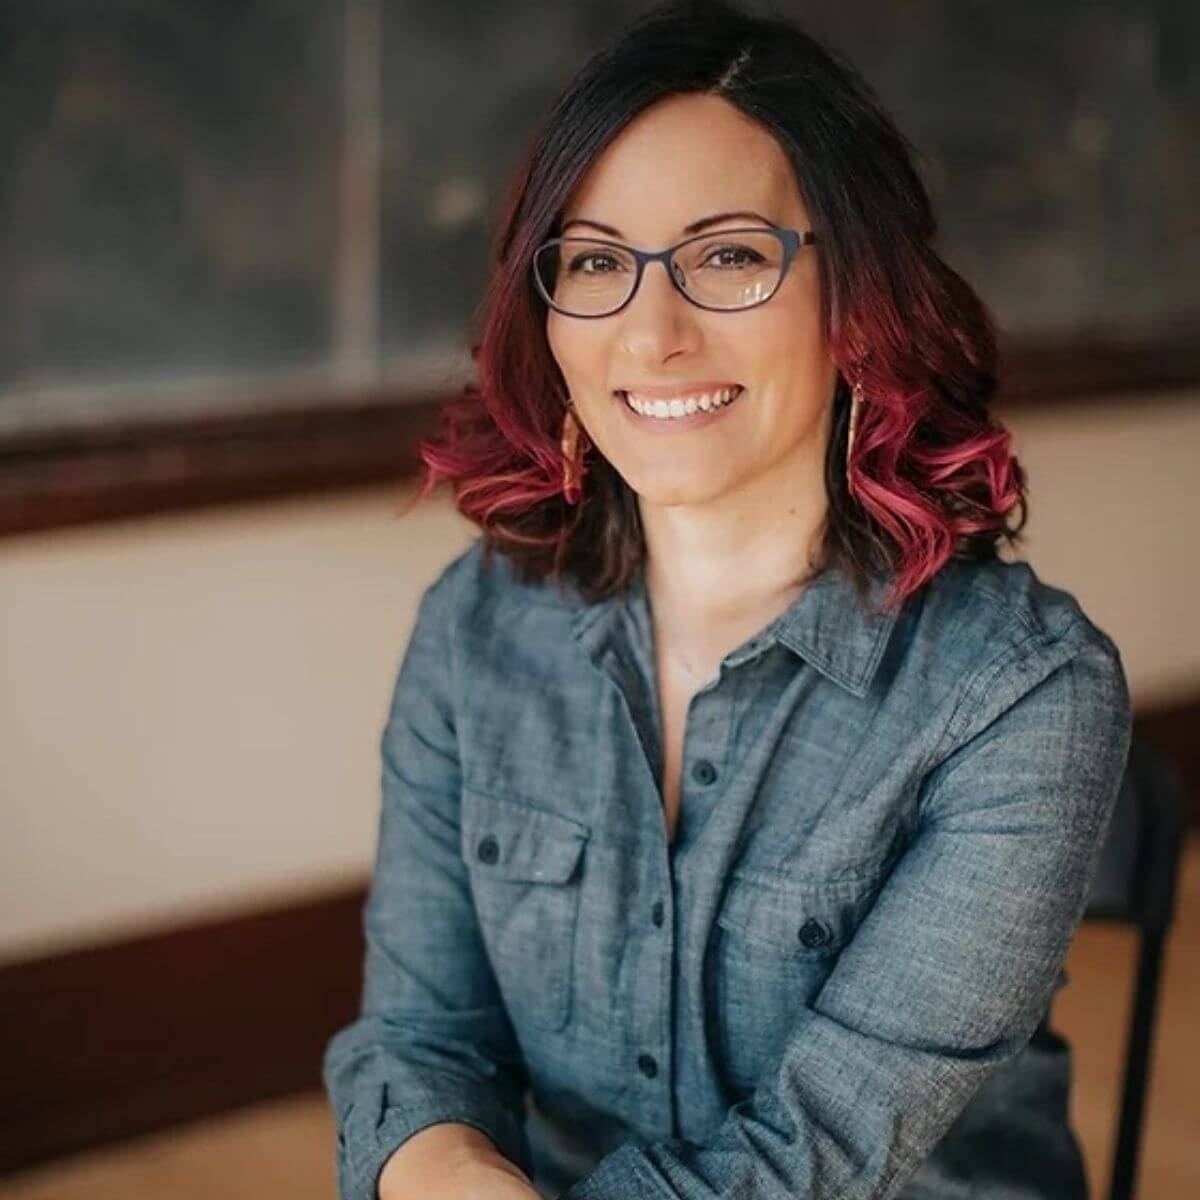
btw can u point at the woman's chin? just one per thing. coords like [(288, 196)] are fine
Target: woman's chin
[(668, 489)]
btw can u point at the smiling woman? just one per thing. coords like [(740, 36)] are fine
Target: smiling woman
[(739, 514), (796, 263)]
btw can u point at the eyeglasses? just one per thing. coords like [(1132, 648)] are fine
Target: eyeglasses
[(727, 271)]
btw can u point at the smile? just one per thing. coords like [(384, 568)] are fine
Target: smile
[(670, 415)]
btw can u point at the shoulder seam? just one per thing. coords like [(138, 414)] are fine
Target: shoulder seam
[(1008, 609), (1017, 656)]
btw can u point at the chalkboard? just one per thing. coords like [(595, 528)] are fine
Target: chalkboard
[(215, 204)]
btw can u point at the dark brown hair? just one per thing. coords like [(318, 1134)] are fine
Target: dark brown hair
[(933, 477)]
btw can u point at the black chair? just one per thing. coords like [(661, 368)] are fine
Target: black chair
[(1135, 884)]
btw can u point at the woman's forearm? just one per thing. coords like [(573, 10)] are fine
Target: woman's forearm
[(450, 1161)]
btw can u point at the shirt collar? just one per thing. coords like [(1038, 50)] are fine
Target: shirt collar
[(829, 627), (826, 625)]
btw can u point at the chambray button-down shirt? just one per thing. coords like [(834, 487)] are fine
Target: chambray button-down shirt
[(834, 982)]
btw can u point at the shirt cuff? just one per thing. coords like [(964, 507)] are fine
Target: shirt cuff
[(369, 1139)]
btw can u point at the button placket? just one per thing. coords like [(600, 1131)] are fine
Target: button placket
[(707, 742)]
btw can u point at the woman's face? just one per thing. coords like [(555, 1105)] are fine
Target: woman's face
[(686, 158)]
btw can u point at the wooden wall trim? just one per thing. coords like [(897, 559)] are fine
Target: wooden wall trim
[(1094, 367), (115, 1040), (1174, 730), (135, 469)]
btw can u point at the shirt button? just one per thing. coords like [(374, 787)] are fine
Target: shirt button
[(656, 913), (489, 849), (647, 1065), (703, 771), (813, 933)]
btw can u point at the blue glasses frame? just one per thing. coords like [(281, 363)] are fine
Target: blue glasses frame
[(791, 240)]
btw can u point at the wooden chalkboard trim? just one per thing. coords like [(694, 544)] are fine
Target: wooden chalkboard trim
[(1098, 366), (137, 469)]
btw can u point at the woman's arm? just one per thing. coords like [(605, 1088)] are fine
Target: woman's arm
[(952, 969), (452, 1162), (433, 1042)]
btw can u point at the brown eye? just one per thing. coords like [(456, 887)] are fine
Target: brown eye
[(576, 263), (748, 256)]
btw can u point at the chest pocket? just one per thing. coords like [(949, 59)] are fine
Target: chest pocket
[(526, 875), (774, 945)]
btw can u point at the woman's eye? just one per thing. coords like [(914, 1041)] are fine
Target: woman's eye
[(748, 255), (577, 263)]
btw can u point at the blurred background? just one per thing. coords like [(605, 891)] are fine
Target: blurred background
[(242, 243)]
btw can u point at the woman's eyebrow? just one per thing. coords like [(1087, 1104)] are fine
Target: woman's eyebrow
[(694, 227)]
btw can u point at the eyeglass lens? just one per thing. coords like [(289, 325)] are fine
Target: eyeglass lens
[(590, 278)]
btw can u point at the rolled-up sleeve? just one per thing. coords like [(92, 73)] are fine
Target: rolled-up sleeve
[(954, 965), (433, 1041)]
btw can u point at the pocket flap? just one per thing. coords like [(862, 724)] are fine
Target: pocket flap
[(796, 919), (508, 841)]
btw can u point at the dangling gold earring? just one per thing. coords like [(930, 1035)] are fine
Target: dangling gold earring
[(571, 467), (856, 396)]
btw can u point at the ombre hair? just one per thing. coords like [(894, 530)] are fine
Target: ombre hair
[(932, 475)]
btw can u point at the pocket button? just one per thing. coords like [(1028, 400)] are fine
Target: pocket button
[(813, 934), (488, 850)]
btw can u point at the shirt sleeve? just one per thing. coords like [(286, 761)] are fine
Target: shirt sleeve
[(433, 1041), (954, 965)]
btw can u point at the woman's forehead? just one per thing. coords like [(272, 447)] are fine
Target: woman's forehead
[(670, 168)]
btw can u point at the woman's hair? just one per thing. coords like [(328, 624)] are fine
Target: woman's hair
[(933, 477)]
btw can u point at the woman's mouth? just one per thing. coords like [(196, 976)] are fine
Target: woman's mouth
[(668, 416)]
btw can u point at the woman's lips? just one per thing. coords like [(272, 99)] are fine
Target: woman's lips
[(675, 424)]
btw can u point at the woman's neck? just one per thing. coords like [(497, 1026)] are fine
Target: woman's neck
[(712, 584)]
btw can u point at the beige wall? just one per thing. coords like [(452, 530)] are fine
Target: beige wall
[(190, 706), (1114, 509)]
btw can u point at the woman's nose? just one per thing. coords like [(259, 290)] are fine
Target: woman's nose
[(657, 318)]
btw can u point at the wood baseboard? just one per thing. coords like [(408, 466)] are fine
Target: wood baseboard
[(1174, 730), (115, 1040)]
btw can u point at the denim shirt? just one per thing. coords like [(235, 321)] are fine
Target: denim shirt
[(833, 982)]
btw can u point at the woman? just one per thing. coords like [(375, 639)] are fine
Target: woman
[(739, 802)]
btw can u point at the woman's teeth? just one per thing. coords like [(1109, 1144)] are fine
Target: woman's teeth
[(667, 409)]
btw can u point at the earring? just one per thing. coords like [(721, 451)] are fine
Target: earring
[(855, 403), (571, 467)]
